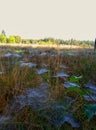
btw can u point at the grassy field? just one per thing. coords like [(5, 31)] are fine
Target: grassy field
[(67, 98)]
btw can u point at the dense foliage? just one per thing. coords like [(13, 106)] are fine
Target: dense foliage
[(2, 38)]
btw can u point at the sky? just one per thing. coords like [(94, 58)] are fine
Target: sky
[(35, 19)]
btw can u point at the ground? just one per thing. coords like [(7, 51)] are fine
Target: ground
[(47, 87)]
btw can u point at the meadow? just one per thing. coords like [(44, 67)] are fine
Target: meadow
[(47, 87)]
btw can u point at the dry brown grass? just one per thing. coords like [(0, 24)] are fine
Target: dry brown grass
[(61, 46), (17, 79)]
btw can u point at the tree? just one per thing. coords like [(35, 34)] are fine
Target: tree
[(18, 39), (11, 39), (3, 32), (2, 38)]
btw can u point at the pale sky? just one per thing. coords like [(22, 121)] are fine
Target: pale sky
[(36, 19)]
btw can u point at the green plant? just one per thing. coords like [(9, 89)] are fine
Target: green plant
[(18, 39), (90, 111), (75, 79), (11, 39), (77, 89), (3, 38)]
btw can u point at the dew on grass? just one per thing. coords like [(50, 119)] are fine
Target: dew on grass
[(40, 99), (61, 74), (69, 84), (1, 72), (28, 64), (3, 119), (16, 55), (43, 54), (91, 87), (57, 113), (12, 54), (42, 71), (8, 54), (70, 54), (91, 96), (63, 66)]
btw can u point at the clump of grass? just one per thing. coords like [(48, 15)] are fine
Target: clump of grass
[(14, 81)]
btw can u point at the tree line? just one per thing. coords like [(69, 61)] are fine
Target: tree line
[(10, 39), (18, 39)]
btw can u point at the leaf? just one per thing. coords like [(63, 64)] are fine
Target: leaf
[(82, 92), (76, 89), (79, 77), (75, 79), (90, 111)]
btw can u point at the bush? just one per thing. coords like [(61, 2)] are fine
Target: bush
[(2, 38), (11, 39), (18, 39)]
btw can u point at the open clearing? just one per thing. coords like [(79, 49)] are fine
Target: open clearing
[(47, 87)]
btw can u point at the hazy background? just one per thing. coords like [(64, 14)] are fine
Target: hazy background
[(34, 19)]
